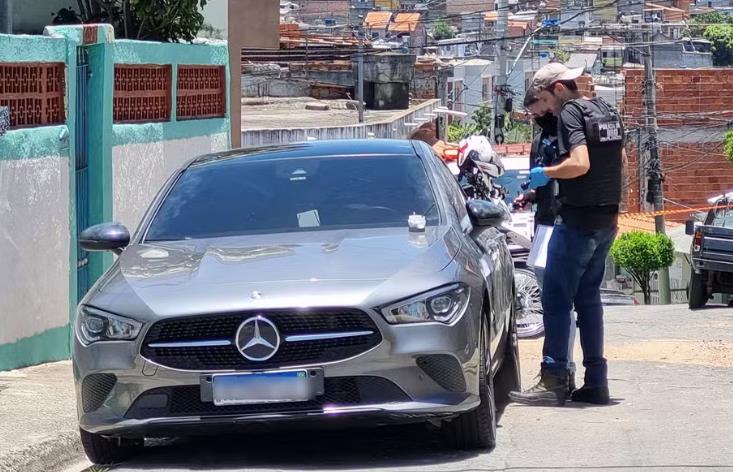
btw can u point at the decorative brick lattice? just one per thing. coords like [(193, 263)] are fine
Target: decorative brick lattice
[(142, 93), (33, 92), (201, 92)]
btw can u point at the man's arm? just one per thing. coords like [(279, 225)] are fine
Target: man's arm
[(572, 144), (577, 164)]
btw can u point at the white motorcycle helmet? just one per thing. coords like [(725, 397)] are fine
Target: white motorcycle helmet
[(483, 155)]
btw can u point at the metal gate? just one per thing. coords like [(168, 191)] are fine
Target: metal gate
[(82, 170)]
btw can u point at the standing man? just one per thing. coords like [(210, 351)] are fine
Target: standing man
[(544, 154), (591, 150)]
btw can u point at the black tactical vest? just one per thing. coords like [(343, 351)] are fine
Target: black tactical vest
[(604, 135)]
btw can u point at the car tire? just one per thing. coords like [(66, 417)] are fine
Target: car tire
[(476, 429), (698, 294), (102, 450), (509, 377)]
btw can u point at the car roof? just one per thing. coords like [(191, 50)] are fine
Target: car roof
[(330, 148)]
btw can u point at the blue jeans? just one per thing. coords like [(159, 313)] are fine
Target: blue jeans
[(539, 272), (576, 262)]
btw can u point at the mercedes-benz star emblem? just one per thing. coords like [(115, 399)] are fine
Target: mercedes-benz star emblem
[(258, 338)]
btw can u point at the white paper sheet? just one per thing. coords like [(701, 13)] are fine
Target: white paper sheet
[(538, 254)]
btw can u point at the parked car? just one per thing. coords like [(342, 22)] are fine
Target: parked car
[(712, 253), (343, 281)]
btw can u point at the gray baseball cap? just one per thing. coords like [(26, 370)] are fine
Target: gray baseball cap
[(555, 72)]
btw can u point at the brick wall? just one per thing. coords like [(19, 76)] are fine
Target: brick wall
[(694, 172), (692, 107), (585, 86), (707, 92)]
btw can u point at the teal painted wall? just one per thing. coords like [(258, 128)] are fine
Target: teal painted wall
[(60, 44), (101, 90)]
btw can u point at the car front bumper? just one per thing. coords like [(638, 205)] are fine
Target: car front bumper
[(402, 361)]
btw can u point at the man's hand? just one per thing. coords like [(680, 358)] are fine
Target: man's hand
[(524, 200), (538, 178)]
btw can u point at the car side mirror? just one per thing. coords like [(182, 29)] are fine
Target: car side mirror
[(690, 227), (486, 213), (105, 237)]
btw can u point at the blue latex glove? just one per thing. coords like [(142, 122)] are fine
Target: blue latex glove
[(538, 178)]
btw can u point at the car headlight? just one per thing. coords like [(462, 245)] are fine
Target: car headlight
[(95, 325), (443, 305)]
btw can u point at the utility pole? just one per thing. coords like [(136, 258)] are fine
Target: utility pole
[(360, 72), (655, 176), (502, 20)]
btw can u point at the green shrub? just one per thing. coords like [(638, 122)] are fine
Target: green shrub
[(642, 254)]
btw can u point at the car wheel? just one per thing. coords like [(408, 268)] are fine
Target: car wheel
[(476, 429), (529, 304), (698, 295), (509, 377), (102, 450)]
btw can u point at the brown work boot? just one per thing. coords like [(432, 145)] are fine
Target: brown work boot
[(551, 389)]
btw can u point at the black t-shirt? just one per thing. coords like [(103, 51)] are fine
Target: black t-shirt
[(571, 133), (571, 127)]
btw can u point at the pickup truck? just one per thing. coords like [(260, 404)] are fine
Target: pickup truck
[(712, 253)]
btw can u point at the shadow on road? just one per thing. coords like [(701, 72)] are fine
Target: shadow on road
[(407, 446)]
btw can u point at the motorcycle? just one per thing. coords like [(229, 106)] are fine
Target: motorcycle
[(477, 167)]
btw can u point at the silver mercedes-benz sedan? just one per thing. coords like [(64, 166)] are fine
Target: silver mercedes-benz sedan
[(326, 283)]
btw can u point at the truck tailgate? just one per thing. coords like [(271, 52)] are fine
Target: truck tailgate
[(717, 244)]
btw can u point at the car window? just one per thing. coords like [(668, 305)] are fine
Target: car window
[(724, 218), (257, 196), (455, 193)]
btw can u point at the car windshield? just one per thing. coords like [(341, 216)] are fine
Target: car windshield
[(259, 196)]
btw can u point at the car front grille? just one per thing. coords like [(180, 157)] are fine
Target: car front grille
[(338, 391), (175, 333)]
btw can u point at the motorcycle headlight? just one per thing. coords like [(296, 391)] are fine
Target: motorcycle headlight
[(95, 325), (443, 305)]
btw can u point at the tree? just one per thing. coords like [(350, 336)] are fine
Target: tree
[(728, 145), (700, 22), (442, 30), (561, 55), (642, 254), (722, 38), (480, 124), (153, 20), (517, 131)]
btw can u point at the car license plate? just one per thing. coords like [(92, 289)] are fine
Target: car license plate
[(261, 387)]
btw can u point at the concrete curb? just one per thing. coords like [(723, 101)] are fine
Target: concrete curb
[(46, 456)]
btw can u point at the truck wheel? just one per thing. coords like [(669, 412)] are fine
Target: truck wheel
[(698, 295)]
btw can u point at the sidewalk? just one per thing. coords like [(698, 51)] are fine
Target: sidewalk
[(38, 424)]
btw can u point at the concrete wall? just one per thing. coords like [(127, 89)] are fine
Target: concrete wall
[(35, 203), (396, 128), (31, 16)]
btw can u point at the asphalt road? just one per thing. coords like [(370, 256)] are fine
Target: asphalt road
[(671, 379)]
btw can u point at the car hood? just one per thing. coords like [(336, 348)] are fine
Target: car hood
[(269, 271)]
